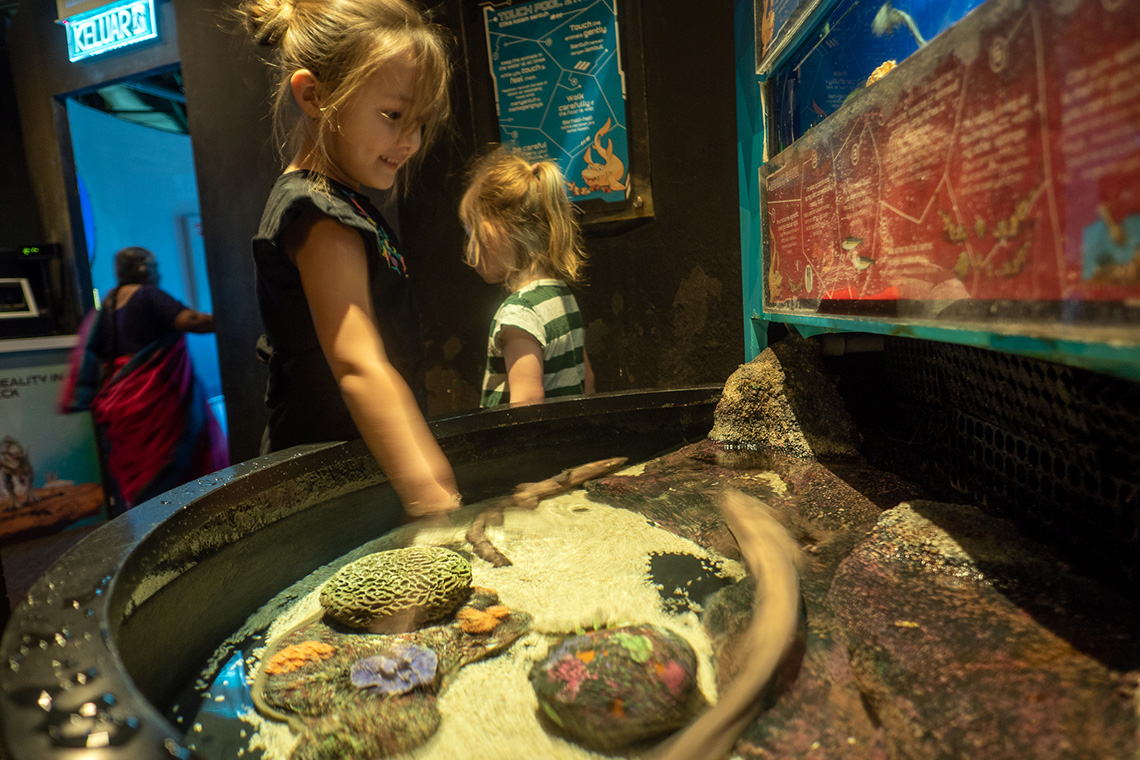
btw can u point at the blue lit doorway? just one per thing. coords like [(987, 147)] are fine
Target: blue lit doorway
[(135, 176)]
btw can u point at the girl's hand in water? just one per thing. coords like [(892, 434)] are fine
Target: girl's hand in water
[(433, 504)]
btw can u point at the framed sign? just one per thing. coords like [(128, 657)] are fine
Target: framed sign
[(562, 88), (110, 27)]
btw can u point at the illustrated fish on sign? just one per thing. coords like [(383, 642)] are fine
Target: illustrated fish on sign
[(858, 260), (1115, 230)]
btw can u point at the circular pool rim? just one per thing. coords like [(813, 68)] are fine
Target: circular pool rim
[(106, 638)]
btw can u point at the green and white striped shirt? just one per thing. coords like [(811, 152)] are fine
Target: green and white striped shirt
[(547, 310)]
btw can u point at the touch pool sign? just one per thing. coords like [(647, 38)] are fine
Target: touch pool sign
[(560, 89), (110, 28)]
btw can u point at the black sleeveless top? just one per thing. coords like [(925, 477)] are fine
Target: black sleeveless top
[(305, 405)]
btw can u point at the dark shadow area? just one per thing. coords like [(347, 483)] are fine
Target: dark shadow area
[(1048, 453), (1090, 616)]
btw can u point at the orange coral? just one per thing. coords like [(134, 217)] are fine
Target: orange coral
[(880, 72), (295, 655), (472, 620)]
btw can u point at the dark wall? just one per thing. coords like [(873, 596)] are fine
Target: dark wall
[(663, 302), (20, 221), (227, 91), (665, 308)]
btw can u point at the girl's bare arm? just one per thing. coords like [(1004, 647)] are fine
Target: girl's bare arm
[(334, 274), (523, 356)]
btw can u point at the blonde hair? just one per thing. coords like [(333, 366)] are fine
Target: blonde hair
[(528, 204), (342, 42)]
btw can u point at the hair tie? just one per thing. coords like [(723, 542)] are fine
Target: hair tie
[(534, 168)]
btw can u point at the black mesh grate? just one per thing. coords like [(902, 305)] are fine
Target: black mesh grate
[(1056, 448)]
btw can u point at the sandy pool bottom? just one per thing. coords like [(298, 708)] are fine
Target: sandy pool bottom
[(577, 564)]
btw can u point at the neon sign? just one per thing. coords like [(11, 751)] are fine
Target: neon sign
[(110, 28)]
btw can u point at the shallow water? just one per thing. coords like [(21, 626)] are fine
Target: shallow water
[(577, 565), (928, 629)]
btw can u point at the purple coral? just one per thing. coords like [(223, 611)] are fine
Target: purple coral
[(395, 671)]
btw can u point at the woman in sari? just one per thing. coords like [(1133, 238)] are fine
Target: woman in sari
[(132, 370)]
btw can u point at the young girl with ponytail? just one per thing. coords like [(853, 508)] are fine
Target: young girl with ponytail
[(522, 234)]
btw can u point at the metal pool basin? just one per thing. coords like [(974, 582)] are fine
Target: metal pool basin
[(99, 649)]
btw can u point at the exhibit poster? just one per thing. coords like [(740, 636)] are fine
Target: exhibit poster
[(560, 90), (49, 465)]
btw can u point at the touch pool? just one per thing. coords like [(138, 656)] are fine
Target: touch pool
[(926, 629), (577, 565), (104, 643)]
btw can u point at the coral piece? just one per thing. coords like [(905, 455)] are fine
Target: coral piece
[(613, 687), (347, 706), (399, 590), (880, 72), (472, 620), (395, 671), (292, 657), (382, 727)]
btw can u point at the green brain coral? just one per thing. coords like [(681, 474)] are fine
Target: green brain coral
[(398, 590)]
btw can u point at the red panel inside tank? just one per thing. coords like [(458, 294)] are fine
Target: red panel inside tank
[(1002, 162)]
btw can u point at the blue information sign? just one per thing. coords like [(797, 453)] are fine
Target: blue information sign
[(560, 89), (110, 28)]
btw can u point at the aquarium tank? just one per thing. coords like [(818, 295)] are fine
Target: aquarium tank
[(961, 172)]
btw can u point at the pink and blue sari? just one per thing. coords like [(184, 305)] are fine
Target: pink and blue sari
[(154, 421)]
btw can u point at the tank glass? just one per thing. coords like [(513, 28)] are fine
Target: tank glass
[(848, 44)]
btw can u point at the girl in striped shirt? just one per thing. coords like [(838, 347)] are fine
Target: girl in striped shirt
[(522, 234)]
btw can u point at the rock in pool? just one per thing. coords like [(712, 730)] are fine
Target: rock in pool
[(616, 686)]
